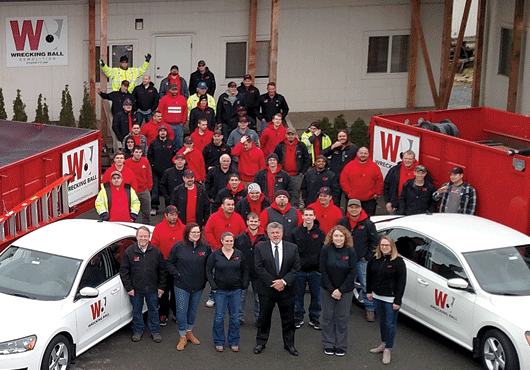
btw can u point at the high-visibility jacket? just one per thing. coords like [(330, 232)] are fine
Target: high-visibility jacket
[(325, 142), (104, 199), (193, 100), (117, 75)]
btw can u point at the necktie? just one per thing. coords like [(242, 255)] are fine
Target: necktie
[(277, 259)]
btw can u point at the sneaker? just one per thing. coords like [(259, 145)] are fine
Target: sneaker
[(315, 324), (136, 338), (299, 324), (210, 303), (157, 338), (153, 212), (329, 351), (339, 352), (163, 320)]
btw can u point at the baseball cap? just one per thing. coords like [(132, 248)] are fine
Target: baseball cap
[(162, 127), (290, 130), (420, 168), (247, 77), (181, 156), (171, 209), (356, 202), (457, 170), (202, 85), (324, 190), (189, 173), (188, 140), (201, 63), (127, 102), (115, 173), (232, 84)]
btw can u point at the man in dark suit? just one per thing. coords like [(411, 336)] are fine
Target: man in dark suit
[(277, 263)]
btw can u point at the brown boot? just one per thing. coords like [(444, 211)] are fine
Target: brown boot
[(191, 337), (370, 316), (182, 343)]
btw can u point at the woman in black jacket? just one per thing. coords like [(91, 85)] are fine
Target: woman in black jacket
[(385, 284), (338, 266), (187, 263), (227, 274)]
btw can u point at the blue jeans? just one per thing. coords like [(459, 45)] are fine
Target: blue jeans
[(179, 135), (232, 300), (155, 191), (153, 320), (361, 272), (313, 279), (387, 317), (243, 303), (187, 304), (140, 117)]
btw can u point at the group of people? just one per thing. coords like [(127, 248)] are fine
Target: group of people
[(264, 210)]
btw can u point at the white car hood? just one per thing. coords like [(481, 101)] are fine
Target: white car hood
[(22, 316), (513, 309)]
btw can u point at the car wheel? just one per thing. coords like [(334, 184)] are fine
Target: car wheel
[(498, 352), (358, 293), (57, 354)]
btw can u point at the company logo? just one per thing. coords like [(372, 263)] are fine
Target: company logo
[(444, 304), (83, 163), (389, 144), (97, 309), (440, 298)]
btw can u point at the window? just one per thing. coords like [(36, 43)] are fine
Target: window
[(410, 245), (98, 270), (388, 54), (444, 262), (117, 52), (505, 52), (237, 59)]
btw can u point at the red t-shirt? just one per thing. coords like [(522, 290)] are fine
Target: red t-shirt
[(119, 210), (289, 162), (191, 207)]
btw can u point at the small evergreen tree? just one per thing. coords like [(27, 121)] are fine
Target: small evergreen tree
[(87, 116), (45, 113), (325, 125), (3, 114), (19, 109), (359, 133), (66, 117), (39, 112)]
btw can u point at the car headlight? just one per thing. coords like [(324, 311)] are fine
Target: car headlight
[(18, 345)]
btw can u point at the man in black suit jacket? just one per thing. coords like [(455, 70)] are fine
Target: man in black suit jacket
[(276, 284)]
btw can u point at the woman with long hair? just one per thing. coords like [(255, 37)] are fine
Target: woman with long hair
[(187, 263), (338, 266), (385, 284), (227, 274)]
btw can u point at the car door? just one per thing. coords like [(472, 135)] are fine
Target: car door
[(449, 310), (97, 316)]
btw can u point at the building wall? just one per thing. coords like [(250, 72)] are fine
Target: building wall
[(322, 48)]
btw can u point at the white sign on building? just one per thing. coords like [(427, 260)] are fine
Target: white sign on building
[(36, 41), (389, 144), (83, 162)]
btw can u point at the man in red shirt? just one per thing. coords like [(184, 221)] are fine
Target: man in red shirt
[(141, 168), (117, 201), (174, 110), (224, 220), (166, 234), (272, 135), (194, 159), (362, 179), (327, 214), (202, 136), (150, 129), (119, 165), (191, 200), (251, 159)]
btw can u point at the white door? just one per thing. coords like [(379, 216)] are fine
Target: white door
[(172, 50)]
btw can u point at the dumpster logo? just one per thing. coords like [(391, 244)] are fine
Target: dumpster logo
[(83, 162), (388, 146), (36, 41)]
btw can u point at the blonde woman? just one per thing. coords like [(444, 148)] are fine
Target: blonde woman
[(385, 285)]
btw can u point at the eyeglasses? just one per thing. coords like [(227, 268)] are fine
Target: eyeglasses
[(195, 232)]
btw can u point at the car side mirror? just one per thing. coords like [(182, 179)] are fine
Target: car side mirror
[(457, 283), (88, 292)]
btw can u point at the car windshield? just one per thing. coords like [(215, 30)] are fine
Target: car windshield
[(502, 271), (36, 275)]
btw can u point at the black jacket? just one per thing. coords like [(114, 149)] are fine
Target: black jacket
[(245, 245), (282, 181), (386, 277), (313, 181), (266, 269), (243, 206), (146, 98), (227, 274), (391, 184), (309, 244), (252, 95), (216, 179), (416, 199), (120, 124), (207, 77), (364, 235), (186, 262), (251, 123), (160, 155), (270, 106), (197, 113), (227, 193), (212, 153), (339, 157), (227, 110), (117, 98), (338, 267), (170, 180), (143, 272), (179, 198), (303, 161)]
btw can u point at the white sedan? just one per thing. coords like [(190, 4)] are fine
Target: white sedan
[(61, 292), (468, 279)]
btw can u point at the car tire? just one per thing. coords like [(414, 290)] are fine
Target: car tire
[(58, 354), (358, 293), (496, 349)]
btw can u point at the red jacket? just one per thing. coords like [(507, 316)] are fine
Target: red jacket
[(218, 224), (142, 172), (174, 109), (164, 236), (195, 162), (327, 217), (271, 137), (250, 161), (127, 175), (361, 180), (150, 131), (200, 141)]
